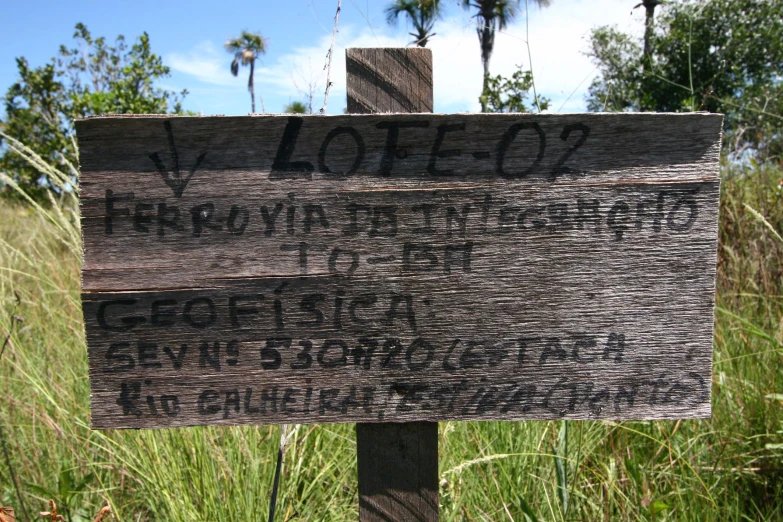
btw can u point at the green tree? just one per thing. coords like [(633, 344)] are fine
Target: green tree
[(422, 15), (35, 109), (491, 16), (509, 94), (92, 78), (618, 86), (114, 79), (246, 50), (712, 55)]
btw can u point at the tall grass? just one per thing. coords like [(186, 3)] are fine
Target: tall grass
[(727, 468)]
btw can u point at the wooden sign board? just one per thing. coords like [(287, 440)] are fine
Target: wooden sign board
[(376, 268)]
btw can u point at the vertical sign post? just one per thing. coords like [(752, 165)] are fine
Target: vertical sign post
[(398, 462)]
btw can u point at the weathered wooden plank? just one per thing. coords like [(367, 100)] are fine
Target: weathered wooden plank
[(599, 147), (253, 297), (208, 238), (632, 316)]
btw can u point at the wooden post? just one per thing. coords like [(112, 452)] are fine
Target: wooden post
[(398, 462)]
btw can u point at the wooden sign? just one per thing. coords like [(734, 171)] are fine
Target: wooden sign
[(376, 268)]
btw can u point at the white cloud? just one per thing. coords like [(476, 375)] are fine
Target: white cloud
[(557, 36), (207, 64), (306, 64)]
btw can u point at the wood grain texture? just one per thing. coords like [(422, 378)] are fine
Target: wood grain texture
[(394, 80), (613, 147), (398, 476), (397, 292), (397, 462)]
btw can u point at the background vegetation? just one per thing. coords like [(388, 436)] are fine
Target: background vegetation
[(729, 467), (710, 55), (94, 77)]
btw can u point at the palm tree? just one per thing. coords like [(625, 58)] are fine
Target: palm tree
[(246, 49), (490, 16), (422, 14)]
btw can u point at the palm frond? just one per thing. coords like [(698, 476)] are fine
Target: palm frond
[(395, 9), (497, 13), (246, 41), (233, 45), (421, 13), (253, 42)]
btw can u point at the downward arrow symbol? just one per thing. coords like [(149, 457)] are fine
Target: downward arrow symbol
[(174, 178)]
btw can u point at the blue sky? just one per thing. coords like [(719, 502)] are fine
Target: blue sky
[(190, 36)]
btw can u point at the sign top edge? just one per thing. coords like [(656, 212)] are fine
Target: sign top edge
[(407, 114)]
